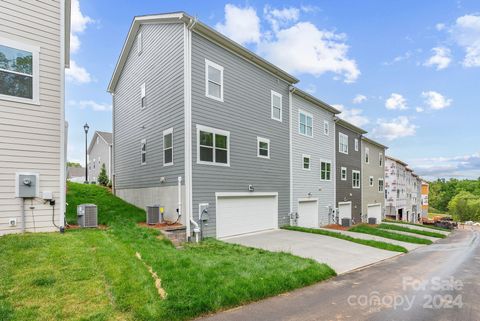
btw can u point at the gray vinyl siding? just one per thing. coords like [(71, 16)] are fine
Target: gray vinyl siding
[(370, 194), (352, 161), (161, 67), (319, 147), (101, 154), (246, 114), (30, 135)]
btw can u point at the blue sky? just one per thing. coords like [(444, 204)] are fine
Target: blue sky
[(406, 71)]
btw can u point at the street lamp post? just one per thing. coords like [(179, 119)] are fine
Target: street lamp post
[(86, 127)]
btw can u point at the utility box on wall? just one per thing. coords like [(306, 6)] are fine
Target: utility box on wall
[(27, 185)]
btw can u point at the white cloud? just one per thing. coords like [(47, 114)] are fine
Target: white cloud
[(303, 48), (441, 58), (464, 166), (311, 89), (353, 115), (400, 58), (435, 100), (396, 101), (280, 17), (79, 23), (241, 24), (90, 104), (358, 99), (395, 128), (466, 32), (77, 74), (440, 26), (420, 109)]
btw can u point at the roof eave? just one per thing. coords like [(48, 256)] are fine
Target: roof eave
[(350, 126), (371, 141), (315, 100)]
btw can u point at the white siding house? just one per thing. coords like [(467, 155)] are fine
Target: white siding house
[(33, 55), (312, 160)]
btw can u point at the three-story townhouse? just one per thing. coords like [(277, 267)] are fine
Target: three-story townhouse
[(395, 188)]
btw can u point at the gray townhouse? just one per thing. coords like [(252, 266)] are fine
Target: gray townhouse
[(32, 114), (373, 179), (348, 172), (201, 126), (99, 153), (313, 160)]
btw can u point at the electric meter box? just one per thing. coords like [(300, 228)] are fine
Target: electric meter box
[(27, 185)]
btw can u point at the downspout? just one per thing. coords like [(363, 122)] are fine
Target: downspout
[(290, 105)]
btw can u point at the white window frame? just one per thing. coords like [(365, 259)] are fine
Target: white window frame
[(367, 155), (306, 114), (274, 93), (371, 182), (213, 131), (139, 43), (209, 63), (344, 137), (331, 169), (381, 160), (326, 128), (263, 140), (309, 162), (35, 100), (343, 170), (356, 144), (165, 133), (353, 179), (143, 96), (143, 142)]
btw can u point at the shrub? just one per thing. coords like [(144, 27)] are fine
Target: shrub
[(102, 177), (465, 206)]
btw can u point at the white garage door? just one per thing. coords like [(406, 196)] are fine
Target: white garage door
[(240, 213), (344, 211), (375, 210), (308, 213)]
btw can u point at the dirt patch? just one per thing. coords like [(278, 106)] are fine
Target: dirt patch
[(162, 226), (76, 227), (336, 227), (158, 282)]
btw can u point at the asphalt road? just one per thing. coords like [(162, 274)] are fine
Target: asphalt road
[(436, 282)]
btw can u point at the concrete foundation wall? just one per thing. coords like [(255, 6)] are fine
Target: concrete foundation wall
[(166, 196)]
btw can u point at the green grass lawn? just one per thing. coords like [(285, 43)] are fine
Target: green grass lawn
[(410, 230), (421, 225), (372, 243), (95, 274), (388, 234)]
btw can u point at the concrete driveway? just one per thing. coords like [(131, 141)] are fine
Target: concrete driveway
[(342, 256)]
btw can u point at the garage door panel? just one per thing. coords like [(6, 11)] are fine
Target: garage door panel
[(375, 210), (246, 214), (308, 213)]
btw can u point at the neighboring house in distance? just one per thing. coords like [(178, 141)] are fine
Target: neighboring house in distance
[(198, 116), (424, 196), (313, 160), (32, 122), (348, 170), (395, 189), (416, 192), (76, 174), (99, 153), (373, 179), (409, 189)]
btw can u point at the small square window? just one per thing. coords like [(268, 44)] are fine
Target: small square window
[(213, 146), (263, 147), (306, 162)]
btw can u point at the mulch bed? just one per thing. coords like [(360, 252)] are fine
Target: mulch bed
[(162, 226), (76, 227), (336, 227)]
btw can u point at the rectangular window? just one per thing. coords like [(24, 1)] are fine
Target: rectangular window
[(367, 155), (168, 147), (342, 143), (263, 147), (326, 128), (19, 69), (325, 170), (139, 43), (305, 123), (356, 179), (356, 144), (380, 159), (213, 80), (143, 152), (370, 180), (143, 96), (343, 173), (276, 101), (306, 162), (213, 146)]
